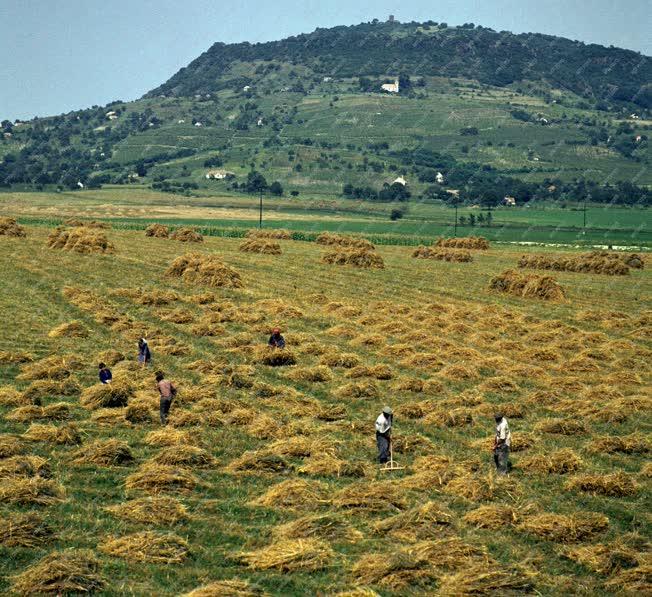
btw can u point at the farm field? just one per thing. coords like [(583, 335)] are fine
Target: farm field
[(266, 476)]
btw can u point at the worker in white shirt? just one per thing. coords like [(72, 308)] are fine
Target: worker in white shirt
[(384, 434), (502, 442)]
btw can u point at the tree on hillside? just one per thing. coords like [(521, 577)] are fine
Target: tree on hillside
[(276, 188), (255, 182), (404, 82)]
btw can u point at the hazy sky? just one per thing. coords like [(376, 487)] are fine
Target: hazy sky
[(61, 55)]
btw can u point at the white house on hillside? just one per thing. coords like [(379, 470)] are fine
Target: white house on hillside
[(218, 174), (509, 201), (400, 180), (390, 87), (439, 178)]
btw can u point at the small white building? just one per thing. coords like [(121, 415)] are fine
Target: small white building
[(8, 135), (198, 124), (634, 116), (390, 87), (327, 79), (246, 88), (80, 184), (509, 201), (638, 139), (400, 180), (260, 122), (110, 113), (439, 178), (218, 174), (181, 121)]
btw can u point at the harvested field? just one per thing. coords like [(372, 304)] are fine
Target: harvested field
[(454, 256), (260, 245), (528, 286), (209, 270), (363, 258), (465, 242), (81, 239)]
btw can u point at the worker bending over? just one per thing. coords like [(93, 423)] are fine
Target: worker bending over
[(276, 340), (384, 434), (105, 374), (502, 442)]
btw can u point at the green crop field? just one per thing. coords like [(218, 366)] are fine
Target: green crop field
[(266, 476)]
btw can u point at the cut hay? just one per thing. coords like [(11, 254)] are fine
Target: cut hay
[(560, 462), (30, 490), (491, 516), (561, 426), (140, 411), (317, 374), (635, 581), (528, 286), (24, 530), (187, 235), (476, 488), (278, 233), (64, 435), (177, 316), (359, 390), (328, 465), (328, 238), (70, 571), (293, 493), (422, 252), (448, 553), (465, 242), (110, 357), (88, 223), (24, 466), (486, 579), (258, 461), (608, 558), (210, 270), (155, 478), (373, 497), (80, 239), (147, 546), (291, 555), (561, 528), (46, 388), (260, 245), (157, 231), (157, 510), (72, 329), (184, 455), (11, 445), (426, 521), (329, 527), (382, 372), (53, 367), (109, 417), (9, 227), (595, 262), (362, 258), (111, 395), (10, 396), (394, 571), (108, 452), (59, 411), (15, 357), (169, 436), (202, 298), (634, 443), (613, 484), (275, 357), (227, 588)]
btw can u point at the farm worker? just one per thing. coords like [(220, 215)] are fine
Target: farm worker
[(144, 355), (105, 374), (276, 340), (384, 433), (167, 392), (502, 442)]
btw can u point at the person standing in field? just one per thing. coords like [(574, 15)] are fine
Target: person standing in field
[(105, 374), (167, 392), (144, 355), (502, 443), (384, 434), (276, 340)]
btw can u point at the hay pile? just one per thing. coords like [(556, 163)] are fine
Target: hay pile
[(88, 223), (358, 389), (636, 581), (486, 579), (115, 394), (377, 496), (597, 262), (322, 526), (465, 242), (81, 239), (65, 572), (293, 493), (278, 233), (157, 510), (613, 484), (52, 367), (491, 516), (9, 227), (24, 466), (11, 445), (607, 558), (561, 426), (634, 443), (184, 455), (364, 258), (394, 571), (423, 252), (258, 461), (334, 359), (47, 388), (30, 490), (153, 478), (528, 286), (260, 245), (227, 588), (110, 357), (17, 357), (195, 268), (108, 452), (52, 412), (169, 436), (328, 465), (24, 530), (328, 238), (148, 546), (380, 371), (187, 235), (319, 373), (157, 231), (273, 357), (560, 462), (64, 435), (565, 529), (427, 521), (291, 555)]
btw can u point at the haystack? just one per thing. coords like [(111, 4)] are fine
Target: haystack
[(276, 233), (227, 588), (65, 434), (363, 258), (565, 529), (72, 329), (528, 286), (607, 558), (52, 367), (115, 394), (560, 462), (183, 455), (491, 516), (328, 238), (197, 268), (294, 493), (273, 357), (15, 357), (88, 223), (319, 373), (634, 443), (24, 466), (147, 546), (157, 231), (260, 245), (291, 555), (381, 371), (65, 572), (359, 390), (187, 235), (59, 411), (154, 478), (612, 484), (379, 496), (48, 388), (156, 510), (11, 445), (465, 242), (30, 490), (395, 571), (426, 521), (486, 579), (24, 530), (107, 452), (455, 256), (258, 461), (329, 465), (9, 227), (171, 437), (330, 527), (561, 426), (80, 239), (110, 357), (10, 396)]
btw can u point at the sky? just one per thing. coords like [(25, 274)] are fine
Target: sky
[(62, 55)]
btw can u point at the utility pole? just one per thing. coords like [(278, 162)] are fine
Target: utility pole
[(455, 218), (260, 219), (584, 210)]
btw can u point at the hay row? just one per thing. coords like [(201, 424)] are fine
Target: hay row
[(195, 268), (9, 227), (81, 240), (588, 263), (363, 258), (157, 231), (528, 286), (423, 252), (187, 235), (465, 242), (328, 238)]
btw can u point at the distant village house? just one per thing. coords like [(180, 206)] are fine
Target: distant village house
[(400, 180), (439, 178), (390, 87), (509, 201), (218, 174)]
